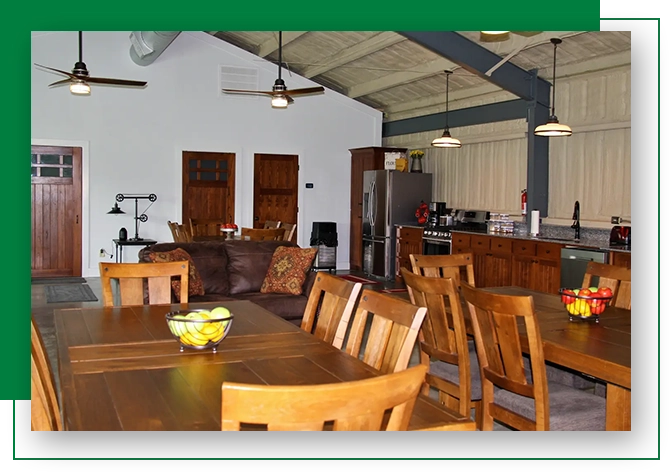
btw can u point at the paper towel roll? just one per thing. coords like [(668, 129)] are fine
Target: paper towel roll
[(534, 223)]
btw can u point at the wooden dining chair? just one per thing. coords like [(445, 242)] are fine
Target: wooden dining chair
[(331, 299), (509, 394), (45, 414), (132, 276), (393, 331), (358, 405), (438, 265), (179, 232), (270, 224), (617, 278), (206, 226), (174, 229), (289, 229), (453, 367), (262, 234)]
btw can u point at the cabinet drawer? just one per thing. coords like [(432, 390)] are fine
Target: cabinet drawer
[(480, 242), (460, 240), (525, 248), (413, 234), (549, 251), (500, 245)]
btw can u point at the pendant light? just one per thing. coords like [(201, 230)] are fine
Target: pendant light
[(553, 126), (446, 139)]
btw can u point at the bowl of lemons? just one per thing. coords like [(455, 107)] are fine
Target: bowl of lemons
[(586, 303), (199, 329)]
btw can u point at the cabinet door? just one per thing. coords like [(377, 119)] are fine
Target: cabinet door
[(620, 259), (355, 248), (521, 271), (497, 270), (546, 276)]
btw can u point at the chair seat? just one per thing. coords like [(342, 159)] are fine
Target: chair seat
[(570, 409), (562, 375), (450, 372)]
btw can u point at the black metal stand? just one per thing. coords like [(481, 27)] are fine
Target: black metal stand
[(143, 218)]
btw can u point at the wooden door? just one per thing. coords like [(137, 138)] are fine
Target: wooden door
[(275, 178), (56, 211), (208, 188)]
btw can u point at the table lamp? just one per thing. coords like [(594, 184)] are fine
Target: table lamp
[(116, 210)]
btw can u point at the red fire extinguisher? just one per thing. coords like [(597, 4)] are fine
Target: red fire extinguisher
[(523, 201)]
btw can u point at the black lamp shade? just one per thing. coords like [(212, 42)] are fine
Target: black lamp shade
[(116, 210)]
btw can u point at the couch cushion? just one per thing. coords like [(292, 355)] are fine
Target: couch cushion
[(194, 281), (288, 307), (288, 270), (248, 262), (210, 259)]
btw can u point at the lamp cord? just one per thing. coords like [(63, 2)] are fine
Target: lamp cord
[(447, 75), (80, 47), (554, 58), (279, 55)]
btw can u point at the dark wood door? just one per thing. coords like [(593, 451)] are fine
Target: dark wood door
[(275, 178), (208, 188), (56, 211)]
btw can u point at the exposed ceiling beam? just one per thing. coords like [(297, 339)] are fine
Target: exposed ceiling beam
[(272, 44), (362, 49), (478, 60)]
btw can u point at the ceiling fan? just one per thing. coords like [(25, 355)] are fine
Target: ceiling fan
[(498, 36), (79, 78), (281, 96)]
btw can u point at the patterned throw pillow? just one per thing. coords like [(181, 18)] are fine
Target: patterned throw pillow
[(195, 286), (288, 270)]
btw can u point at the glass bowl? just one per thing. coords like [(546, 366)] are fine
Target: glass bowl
[(584, 307), (199, 329)]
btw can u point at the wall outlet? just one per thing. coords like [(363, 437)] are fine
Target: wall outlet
[(103, 253)]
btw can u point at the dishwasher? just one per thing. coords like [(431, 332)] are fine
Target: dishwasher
[(574, 261)]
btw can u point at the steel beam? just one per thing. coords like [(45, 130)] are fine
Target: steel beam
[(477, 60), (537, 158), (493, 112)]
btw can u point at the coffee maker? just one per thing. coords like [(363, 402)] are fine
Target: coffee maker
[(438, 212)]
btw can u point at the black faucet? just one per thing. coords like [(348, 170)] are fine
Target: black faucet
[(576, 225)]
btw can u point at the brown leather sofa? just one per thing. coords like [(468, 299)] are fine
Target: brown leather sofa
[(236, 270)]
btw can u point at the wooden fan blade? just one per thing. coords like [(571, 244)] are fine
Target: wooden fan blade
[(251, 92), (69, 74), (527, 34), (102, 80), (61, 82), (290, 100), (304, 91)]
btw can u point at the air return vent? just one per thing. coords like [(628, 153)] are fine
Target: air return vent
[(240, 78)]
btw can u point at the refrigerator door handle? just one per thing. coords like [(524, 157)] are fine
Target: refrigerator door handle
[(372, 206)]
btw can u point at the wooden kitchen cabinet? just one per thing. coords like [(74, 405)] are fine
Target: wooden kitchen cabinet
[(623, 259), (501, 261), (362, 159), (409, 241)]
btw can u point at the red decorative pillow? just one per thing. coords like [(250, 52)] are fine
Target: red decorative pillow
[(195, 286), (288, 270)]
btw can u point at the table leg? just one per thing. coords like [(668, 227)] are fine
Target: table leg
[(618, 408), (120, 253), (115, 252)]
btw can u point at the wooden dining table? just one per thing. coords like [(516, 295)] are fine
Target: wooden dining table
[(121, 369), (599, 349)]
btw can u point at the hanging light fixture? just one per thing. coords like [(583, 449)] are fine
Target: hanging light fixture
[(553, 126), (446, 139)]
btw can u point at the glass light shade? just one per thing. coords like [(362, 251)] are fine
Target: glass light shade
[(552, 128), (494, 36), (80, 87), (495, 32), (447, 141), (279, 101)]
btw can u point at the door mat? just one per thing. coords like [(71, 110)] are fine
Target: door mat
[(393, 290), (69, 293), (357, 279), (57, 280)]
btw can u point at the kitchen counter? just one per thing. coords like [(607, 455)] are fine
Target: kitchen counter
[(584, 242)]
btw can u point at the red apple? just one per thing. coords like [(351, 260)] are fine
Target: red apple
[(585, 292), (234, 226), (605, 291), (568, 296)]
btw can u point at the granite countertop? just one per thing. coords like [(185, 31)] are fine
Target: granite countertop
[(594, 241)]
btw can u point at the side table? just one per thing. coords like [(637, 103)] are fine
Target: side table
[(118, 243)]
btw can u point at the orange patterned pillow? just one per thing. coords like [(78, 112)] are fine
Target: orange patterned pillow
[(195, 286), (288, 270)]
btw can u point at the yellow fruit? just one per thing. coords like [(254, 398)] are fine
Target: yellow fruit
[(220, 312), (188, 338), (211, 329)]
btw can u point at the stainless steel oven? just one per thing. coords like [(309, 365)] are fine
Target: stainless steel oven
[(436, 247)]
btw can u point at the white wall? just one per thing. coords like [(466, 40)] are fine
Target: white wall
[(134, 137)]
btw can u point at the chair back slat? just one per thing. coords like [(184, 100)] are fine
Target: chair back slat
[(133, 276), (289, 229), (617, 278), (270, 224), (360, 405), (261, 234), (206, 226), (442, 265), (45, 414)]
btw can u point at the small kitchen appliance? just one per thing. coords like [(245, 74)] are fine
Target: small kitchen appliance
[(621, 236)]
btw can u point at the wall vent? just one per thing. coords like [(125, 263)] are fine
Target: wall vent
[(239, 78)]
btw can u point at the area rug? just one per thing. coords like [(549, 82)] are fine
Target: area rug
[(357, 279), (69, 293), (57, 280)]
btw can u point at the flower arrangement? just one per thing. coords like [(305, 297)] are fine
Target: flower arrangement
[(416, 154)]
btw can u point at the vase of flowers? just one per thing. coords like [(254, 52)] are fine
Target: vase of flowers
[(416, 160)]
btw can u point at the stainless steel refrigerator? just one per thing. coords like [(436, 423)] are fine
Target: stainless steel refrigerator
[(389, 198)]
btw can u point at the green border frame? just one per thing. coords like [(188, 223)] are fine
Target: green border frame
[(372, 15)]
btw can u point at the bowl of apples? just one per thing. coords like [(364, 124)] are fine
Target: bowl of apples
[(199, 329), (586, 303), (229, 229)]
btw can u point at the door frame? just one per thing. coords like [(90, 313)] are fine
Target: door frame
[(86, 270)]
